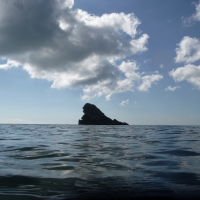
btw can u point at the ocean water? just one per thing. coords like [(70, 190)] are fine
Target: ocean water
[(98, 162)]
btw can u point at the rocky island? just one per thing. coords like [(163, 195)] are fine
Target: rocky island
[(94, 116)]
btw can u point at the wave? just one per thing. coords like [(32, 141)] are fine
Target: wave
[(63, 161)]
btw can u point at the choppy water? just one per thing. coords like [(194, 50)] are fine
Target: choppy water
[(71, 161)]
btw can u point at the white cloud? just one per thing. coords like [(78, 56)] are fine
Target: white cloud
[(170, 88), (133, 79), (9, 64), (144, 82), (119, 21), (72, 48), (66, 3), (189, 73), (129, 69), (188, 50), (107, 88), (194, 17), (124, 102), (161, 66), (148, 80)]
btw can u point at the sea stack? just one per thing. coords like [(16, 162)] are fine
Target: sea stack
[(94, 116)]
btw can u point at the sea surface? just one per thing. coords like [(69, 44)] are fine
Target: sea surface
[(97, 162)]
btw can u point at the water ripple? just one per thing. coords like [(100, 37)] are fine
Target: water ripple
[(63, 161)]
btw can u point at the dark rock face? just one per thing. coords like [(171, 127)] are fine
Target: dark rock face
[(94, 116)]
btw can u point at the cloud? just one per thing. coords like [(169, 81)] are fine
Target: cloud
[(194, 17), (133, 80), (72, 48), (170, 88), (148, 80), (189, 73), (147, 61), (142, 82), (161, 66), (107, 88), (124, 103), (129, 69), (188, 50), (8, 64)]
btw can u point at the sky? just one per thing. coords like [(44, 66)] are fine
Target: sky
[(138, 61)]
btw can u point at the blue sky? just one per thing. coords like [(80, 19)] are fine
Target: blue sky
[(137, 60)]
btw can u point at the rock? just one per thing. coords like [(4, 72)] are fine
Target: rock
[(94, 116)]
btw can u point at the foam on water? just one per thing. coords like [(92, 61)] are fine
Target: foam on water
[(70, 161)]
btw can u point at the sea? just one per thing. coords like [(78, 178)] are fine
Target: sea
[(60, 162)]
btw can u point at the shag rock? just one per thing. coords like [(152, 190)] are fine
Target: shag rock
[(94, 116)]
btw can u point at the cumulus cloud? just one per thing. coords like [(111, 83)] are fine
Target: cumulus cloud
[(188, 50), (133, 80), (170, 88), (189, 73), (124, 102), (7, 63), (148, 80), (194, 17), (72, 48), (129, 68)]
